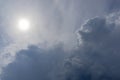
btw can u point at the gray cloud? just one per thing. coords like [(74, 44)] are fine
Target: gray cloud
[(96, 58), (35, 63), (55, 22), (113, 5), (98, 55)]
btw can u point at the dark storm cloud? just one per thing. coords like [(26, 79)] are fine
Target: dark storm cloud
[(113, 5), (35, 64), (99, 54), (97, 58)]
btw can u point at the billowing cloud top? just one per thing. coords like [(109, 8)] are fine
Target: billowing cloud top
[(50, 51), (96, 58), (98, 54)]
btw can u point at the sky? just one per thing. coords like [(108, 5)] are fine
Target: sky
[(66, 40)]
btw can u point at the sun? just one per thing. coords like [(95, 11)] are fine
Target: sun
[(23, 24)]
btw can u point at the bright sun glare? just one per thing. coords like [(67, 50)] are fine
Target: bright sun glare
[(23, 24)]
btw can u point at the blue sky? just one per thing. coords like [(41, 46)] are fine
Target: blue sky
[(67, 40)]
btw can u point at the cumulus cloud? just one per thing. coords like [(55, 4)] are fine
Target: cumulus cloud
[(55, 21), (35, 63), (113, 5), (98, 55), (52, 22), (96, 58), (48, 27)]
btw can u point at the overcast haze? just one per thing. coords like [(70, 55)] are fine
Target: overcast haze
[(66, 40)]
